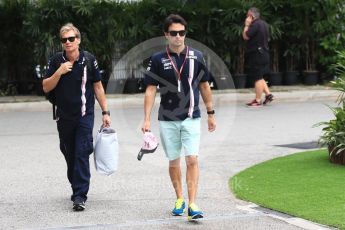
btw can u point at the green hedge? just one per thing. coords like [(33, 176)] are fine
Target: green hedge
[(29, 30)]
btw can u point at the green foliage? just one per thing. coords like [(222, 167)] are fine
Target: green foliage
[(308, 31), (333, 34), (334, 130), (291, 55), (231, 26), (15, 48)]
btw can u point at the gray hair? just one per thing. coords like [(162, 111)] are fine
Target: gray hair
[(255, 12)]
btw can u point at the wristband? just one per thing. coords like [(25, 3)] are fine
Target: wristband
[(106, 112)]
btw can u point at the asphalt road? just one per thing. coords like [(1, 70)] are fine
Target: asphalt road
[(35, 192)]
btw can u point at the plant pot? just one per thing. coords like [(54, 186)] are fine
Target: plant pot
[(290, 78), (310, 77), (240, 80), (223, 81), (326, 77), (336, 158), (275, 78)]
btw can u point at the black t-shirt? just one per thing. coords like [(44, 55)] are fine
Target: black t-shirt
[(74, 91), (177, 105), (258, 35)]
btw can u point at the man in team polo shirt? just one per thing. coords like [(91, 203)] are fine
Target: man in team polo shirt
[(73, 76), (181, 75)]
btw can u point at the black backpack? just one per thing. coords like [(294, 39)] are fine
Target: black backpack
[(50, 96)]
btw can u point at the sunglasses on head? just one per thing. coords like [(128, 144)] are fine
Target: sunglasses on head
[(174, 33), (70, 39)]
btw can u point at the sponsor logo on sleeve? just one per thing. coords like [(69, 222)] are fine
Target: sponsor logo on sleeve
[(95, 64), (149, 66)]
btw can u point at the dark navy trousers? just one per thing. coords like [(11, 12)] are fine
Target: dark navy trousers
[(76, 144)]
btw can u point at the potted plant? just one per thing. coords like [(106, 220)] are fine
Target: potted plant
[(273, 17), (276, 75), (232, 27), (233, 34), (311, 75), (240, 78), (333, 135), (310, 39), (291, 54), (291, 42)]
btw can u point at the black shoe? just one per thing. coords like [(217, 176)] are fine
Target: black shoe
[(269, 98), (78, 205)]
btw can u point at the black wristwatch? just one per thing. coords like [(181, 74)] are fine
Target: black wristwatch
[(106, 112), (211, 112)]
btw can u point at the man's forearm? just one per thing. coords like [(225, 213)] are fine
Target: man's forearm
[(149, 100), (100, 96), (103, 102), (50, 83), (206, 95)]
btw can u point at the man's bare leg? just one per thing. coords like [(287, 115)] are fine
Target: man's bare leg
[(266, 89), (192, 177), (259, 89), (175, 176)]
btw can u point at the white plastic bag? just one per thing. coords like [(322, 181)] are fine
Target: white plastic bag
[(106, 152)]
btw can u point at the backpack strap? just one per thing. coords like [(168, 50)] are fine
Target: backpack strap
[(55, 60), (54, 111), (88, 58)]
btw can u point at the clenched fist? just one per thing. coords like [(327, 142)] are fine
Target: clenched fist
[(65, 67)]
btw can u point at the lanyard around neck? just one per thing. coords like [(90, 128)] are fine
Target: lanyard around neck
[(179, 72)]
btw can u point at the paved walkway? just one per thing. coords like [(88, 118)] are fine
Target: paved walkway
[(35, 192)]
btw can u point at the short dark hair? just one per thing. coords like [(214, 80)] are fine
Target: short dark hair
[(174, 18)]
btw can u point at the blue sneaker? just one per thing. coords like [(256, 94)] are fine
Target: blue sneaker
[(180, 208), (194, 212)]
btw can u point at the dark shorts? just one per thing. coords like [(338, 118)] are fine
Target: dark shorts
[(257, 64)]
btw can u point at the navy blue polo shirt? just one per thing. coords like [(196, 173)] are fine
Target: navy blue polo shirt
[(177, 105), (74, 91)]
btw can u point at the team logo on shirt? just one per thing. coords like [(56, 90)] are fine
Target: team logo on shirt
[(192, 57), (166, 63), (165, 60), (167, 66)]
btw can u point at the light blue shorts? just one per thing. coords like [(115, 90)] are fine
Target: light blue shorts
[(175, 134)]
